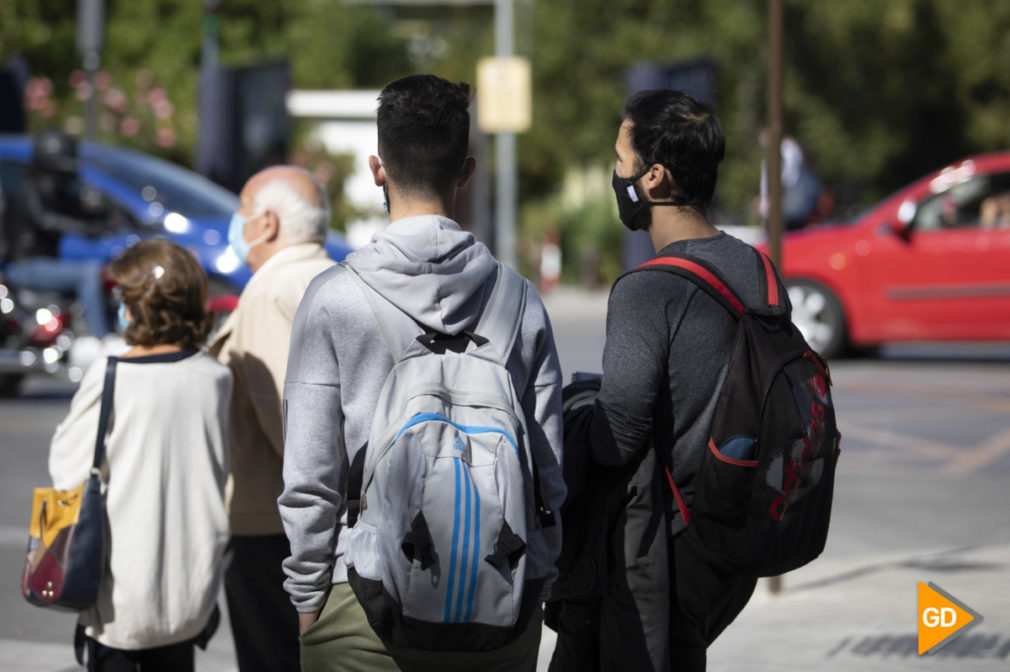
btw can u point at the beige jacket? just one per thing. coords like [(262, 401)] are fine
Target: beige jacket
[(254, 343)]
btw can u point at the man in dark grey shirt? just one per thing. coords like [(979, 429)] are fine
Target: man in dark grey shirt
[(666, 355)]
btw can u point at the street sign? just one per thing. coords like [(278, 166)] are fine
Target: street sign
[(504, 95)]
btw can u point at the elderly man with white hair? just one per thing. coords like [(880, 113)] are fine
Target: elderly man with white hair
[(278, 231)]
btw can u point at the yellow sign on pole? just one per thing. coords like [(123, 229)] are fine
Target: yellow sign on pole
[(504, 95)]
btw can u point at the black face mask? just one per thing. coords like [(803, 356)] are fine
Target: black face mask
[(630, 201)]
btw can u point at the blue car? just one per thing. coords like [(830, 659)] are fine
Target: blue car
[(148, 196)]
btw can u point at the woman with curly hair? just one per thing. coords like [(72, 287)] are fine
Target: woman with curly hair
[(165, 468)]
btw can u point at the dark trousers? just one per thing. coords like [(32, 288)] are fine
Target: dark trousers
[(264, 624), (577, 622), (703, 601), (171, 658), (168, 658)]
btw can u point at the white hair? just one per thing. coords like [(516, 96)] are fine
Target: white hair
[(300, 221)]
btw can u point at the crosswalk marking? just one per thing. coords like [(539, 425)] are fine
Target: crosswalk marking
[(980, 456)]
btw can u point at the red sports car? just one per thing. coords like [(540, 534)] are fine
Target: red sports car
[(931, 262)]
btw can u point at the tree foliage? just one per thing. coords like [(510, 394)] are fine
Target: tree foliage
[(877, 93), (158, 44)]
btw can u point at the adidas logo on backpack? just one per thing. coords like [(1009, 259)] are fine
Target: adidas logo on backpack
[(763, 492), (448, 497)]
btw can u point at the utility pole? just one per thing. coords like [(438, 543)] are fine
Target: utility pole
[(209, 43), (774, 159), (773, 162), (505, 153), (90, 25)]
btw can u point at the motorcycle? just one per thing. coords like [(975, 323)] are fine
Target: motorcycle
[(36, 336), (44, 332)]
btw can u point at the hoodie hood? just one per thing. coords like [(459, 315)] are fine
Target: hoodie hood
[(430, 269)]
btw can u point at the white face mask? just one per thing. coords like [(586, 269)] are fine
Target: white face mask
[(124, 321), (236, 238)]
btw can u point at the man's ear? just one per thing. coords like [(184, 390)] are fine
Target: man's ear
[(658, 182), (270, 229), (378, 170), (469, 166)]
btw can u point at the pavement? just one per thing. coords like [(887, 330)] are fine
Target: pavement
[(835, 615), (855, 608), (860, 613)]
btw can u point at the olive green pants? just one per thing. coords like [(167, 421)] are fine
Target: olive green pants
[(342, 640)]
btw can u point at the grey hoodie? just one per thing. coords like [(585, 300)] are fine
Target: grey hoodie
[(441, 277)]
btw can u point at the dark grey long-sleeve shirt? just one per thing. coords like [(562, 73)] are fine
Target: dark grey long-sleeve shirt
[(666, 354)]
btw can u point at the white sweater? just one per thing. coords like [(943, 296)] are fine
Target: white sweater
[(165, 469)]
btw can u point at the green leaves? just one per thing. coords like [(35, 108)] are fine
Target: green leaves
[(877, 93)]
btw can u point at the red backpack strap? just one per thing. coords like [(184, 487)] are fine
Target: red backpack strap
[(685, 512), (708, 279), (771, 280), (700, 274)]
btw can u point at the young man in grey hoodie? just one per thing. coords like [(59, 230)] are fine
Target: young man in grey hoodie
[(441, 277)]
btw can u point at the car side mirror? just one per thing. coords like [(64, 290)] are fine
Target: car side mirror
[(902, 226), (900, 229)]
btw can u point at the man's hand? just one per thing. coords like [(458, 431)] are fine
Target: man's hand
[(305, 621)]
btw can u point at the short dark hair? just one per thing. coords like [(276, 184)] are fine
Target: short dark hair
[(424, 133), (165, 290), (681, 133)]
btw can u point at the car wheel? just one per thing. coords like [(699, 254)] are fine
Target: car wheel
[(818, 315), (10, 385), (865, 351)]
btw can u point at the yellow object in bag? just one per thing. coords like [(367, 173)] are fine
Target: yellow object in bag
[(54, 510), (66, 546)]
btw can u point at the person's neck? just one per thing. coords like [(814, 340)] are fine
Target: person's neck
[(263, 252), (670, 225), (402, 208), (149, 350)]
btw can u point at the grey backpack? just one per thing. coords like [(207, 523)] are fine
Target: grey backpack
[(443, 497)]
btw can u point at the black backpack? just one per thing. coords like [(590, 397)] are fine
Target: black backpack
[(763, 492)]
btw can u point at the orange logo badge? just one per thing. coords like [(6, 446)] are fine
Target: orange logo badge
[(942, 617)]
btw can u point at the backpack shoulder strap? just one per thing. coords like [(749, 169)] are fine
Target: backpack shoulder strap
[(770, 280), (708, 278), (502, 315), (701, 274), (499, 324), (104, 413)]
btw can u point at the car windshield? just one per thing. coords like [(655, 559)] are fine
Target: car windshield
[(175, 188), (863, 212)]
